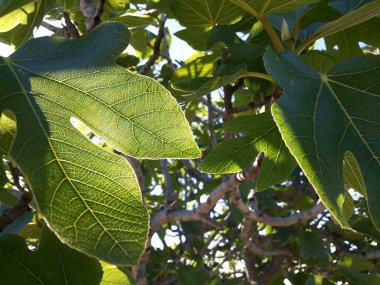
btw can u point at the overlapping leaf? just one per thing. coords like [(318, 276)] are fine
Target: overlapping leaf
[(205, 13), (7, 134), (89, 196), (256, 7), (322, 117), (234, 155), (17, 25), (353, 26), (52, 263)]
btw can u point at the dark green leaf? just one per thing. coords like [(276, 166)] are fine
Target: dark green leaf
[(236, 154), (324, 116), (52, 263)]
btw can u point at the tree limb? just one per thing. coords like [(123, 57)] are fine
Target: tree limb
[(52, 28), (20, 208), (88, 9), (96, 20), (71, 29), (201, 212), (156, 51), (254, 214)]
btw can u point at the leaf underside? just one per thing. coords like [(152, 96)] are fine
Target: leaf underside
[(323, 117), (234, 155), (89, 196), (52, 263)]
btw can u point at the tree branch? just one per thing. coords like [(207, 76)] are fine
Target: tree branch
[(54, 29), (210, 123), (21, 207), (201, 212), (71, 29), (253, 213), (156, 50), (88, 9), (96, 20)]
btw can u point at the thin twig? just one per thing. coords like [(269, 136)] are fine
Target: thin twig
[(72, 30), (212, 107), (254, 214), (201, 212), (156, 51), (210, 123), (54, 29), (253, 105), (20, 208)]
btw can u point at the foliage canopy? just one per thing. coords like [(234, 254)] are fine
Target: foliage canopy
[(254, 161)]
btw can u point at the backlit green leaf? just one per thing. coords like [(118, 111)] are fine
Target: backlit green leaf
[(17, 26), (323, 116), (52, 263), (204, 13), (48, 82), (234, 155), (353, 18)]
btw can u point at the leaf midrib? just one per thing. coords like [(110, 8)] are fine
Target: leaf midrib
[(102, 103), (60, 164), (348, 115)]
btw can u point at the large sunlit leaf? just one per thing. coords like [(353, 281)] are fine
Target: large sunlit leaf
[(234, 155), (322, 117), (206, 13), (52, 263), (48, 82), (256, 7)]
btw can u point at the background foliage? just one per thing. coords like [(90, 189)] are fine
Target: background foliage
[(118, 166)]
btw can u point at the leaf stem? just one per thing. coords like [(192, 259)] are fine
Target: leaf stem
[(271, 33), (258, 75)]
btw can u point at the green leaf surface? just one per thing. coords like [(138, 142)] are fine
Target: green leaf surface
[(323, 116), (197, 87), (52, 263), (7, 134), (353, 18), (8, 6), (136, 19), (274, 6), (205, 13), (17, 26), (352, 175), (234, 155), (356, 277), (112, 275), (50, 81)]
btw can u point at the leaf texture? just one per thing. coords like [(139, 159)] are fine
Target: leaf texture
[(234, 155), (89, 196), (205, 13), (52, 263), (324, 116)]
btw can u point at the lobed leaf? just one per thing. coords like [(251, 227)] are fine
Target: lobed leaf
[(234, 155), (322, 116), (89, 196)]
